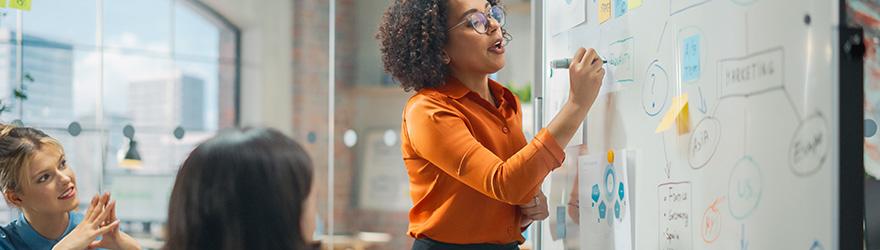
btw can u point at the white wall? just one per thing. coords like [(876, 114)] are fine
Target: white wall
[(267, 72), (517, 70)]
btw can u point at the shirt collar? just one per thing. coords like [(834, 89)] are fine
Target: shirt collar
[(455, 89), (36, 241)]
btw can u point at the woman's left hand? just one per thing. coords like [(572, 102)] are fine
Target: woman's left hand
[(114, 239), (535, 210)]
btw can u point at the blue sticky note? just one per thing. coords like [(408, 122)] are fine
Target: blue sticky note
[(690, 59), (620, 7)]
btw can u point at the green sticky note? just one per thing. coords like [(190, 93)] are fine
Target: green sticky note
[(2, 3), (24, 5)]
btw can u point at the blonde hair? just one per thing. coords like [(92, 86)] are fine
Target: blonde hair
[(17, 147)]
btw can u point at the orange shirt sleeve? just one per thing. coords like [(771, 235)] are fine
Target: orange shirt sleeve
[(440, 135)]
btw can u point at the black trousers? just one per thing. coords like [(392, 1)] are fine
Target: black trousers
[(429, 244)]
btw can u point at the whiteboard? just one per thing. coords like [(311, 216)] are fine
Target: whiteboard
[(727, 110)]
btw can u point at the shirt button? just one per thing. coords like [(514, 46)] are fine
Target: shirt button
[(505, 130)]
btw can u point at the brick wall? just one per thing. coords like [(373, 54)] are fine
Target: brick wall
[(310, 107)]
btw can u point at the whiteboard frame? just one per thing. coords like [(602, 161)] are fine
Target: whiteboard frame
[(851, 179)]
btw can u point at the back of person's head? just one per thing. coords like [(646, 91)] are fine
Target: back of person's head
[(18, 145), (244, 189)]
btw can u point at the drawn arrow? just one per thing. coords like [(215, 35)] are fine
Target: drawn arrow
[(715, 203), (817, 246), (668, 169), (702, 107)]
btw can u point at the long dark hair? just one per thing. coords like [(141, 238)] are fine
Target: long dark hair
[(244, 189)]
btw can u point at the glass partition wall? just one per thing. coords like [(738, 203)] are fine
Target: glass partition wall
[(111, 78)]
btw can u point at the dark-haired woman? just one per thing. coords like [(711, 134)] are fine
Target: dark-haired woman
[(475, 180), (244, 189)]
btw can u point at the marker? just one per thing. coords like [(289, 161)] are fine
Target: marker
[(564, 63)]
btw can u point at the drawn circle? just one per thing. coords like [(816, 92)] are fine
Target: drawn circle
[(74, 129), (870, 127), (704, 142), (711, 226), (610, 181), (744, 188), (655, 89), (808, 149)]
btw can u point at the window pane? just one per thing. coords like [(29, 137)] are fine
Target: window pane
[(8, 24), (140, 90), (138, 25), (195, 36), (48, 82), (202, 109), (8, 80), (78, 17)]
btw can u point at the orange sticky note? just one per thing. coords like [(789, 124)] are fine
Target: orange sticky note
[(604, 10), (679, 104), (24, 5)]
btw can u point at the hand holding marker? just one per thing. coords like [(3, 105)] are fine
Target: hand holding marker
[(564, 63)]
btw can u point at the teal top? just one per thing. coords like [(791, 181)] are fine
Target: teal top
[(19, 234)]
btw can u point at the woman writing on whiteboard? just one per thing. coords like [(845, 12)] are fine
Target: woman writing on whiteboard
[(474, 179)]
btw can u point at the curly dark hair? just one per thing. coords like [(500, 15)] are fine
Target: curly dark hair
[(411, 37)]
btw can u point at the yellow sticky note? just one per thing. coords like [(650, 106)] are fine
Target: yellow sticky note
[(20, 4), (679, 103), (604, 10), (634, 3), (682, 121), (2, 3)]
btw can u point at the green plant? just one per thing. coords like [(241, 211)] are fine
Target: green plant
[(524, 92), (19, 93)]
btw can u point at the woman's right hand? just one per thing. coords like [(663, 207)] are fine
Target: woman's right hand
[(92, 226), (585, 73)]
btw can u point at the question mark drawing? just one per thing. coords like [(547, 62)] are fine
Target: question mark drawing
[(653, 83)]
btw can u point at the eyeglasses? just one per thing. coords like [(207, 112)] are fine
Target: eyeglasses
[(480, 21)]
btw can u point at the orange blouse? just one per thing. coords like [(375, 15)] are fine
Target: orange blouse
[(469, 164)]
